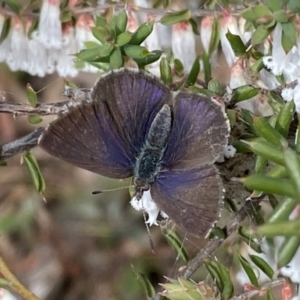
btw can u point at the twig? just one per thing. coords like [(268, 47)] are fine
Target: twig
[(134, 8), (260, 290), (41, 109), (20, 145), (213, 245), (15, 283)]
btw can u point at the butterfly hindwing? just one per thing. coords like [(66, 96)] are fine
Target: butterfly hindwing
[(191, 198)]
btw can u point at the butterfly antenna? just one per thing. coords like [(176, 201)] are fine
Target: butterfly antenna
[(111, 190), (149, 233)]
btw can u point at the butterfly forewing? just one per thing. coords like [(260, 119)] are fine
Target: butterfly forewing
[(199, 132), (106, 135)]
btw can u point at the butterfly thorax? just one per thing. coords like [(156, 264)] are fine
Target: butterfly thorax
[(148, 163)]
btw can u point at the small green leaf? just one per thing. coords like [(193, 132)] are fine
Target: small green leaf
[(249, 15), (116, 59), (260, 34), (257, 66), (262, 265), (260, 164), (165, 71), (275, 5), (216, 87), (34, 119), (215, 36), (266, 149), (292, 164), (123, 38), (193, 75), (281, 16), (149, 59), (230, 205), (120, 21), (204, 92), (261, 11), (206, 67), (269, 185), (105, 50), (133, 51), (31, 95), (176, 17), (247, 237), (5, 29), (88, 54), (70, 84), (14, 5), (236, 43), (100, 21), (244, 92), (141, 33), (297, 137), (179, 68), (293, 6), (145, 284), (265, 130), (249, 271), (66, 16), (277, 172), (194, 26), (214, 273), (184, 290), (232, 116), (288, 250), (90, 44), (285, 118), (289, 36), (216, 232), (100, 34), (269, 295), (222, 277), (176, 244), (288, 228), (283, 210), (35, 172)]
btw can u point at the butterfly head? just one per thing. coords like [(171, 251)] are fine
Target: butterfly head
[(140, 187)]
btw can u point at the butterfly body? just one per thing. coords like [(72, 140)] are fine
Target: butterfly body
[(133, 126), (148, 164)]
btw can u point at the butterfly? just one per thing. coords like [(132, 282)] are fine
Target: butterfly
[(133, 125)]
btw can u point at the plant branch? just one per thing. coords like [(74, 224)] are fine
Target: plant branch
[(18, 146), (159, 13), (259, 291), (15, 283), (41, 109), (212, 246)]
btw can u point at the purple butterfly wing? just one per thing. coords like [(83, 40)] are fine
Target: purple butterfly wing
[(105, 135), (199, 132), (188, 188), (191, 198)]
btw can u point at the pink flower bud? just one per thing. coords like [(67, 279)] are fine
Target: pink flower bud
[(183, 44), (206, 32), (228, 24)]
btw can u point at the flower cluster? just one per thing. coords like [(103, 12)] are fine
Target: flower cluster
[(51, 47)]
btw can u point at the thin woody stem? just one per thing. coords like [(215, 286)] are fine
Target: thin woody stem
[(159, 13), (16, 285)]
